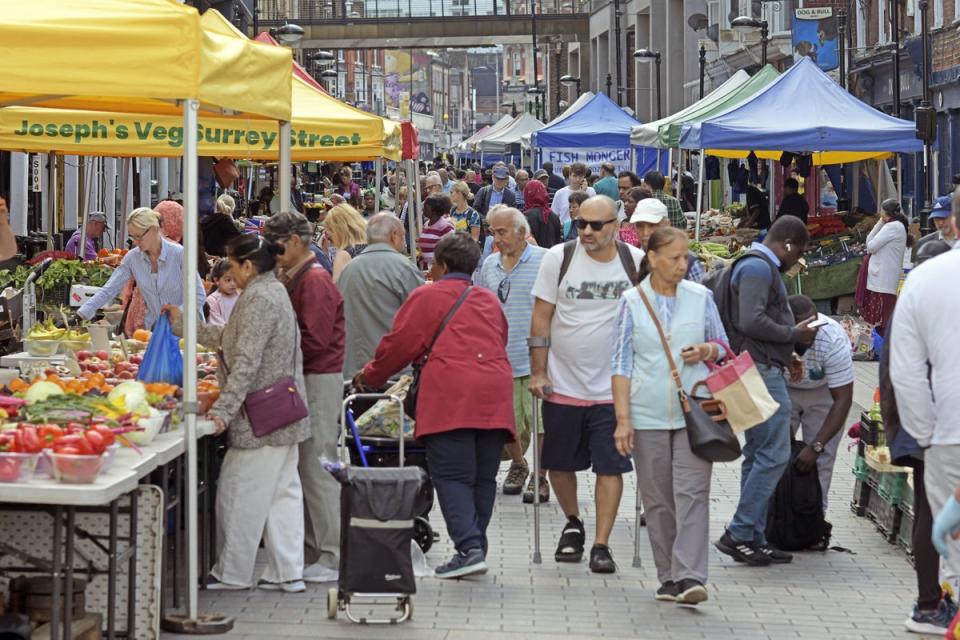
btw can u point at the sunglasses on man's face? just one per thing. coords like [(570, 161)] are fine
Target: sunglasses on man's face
[(596, 225)]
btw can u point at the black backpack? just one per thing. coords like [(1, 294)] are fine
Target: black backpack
[(623, 252), (719, 281), (795, 519)]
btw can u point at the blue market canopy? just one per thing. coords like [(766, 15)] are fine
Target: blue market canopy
[(803, 111), (599, 124)]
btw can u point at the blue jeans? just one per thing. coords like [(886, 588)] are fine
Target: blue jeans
[(766, 454), (463, 466)]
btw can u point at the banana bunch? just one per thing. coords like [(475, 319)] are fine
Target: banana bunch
[(46, 331)]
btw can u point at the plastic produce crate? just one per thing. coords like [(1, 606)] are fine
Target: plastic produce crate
[(905, 533), (871, 432), (886, 516), (892, 487), (862, 495), (860, 468)]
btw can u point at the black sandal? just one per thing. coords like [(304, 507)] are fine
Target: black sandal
[(572, 539)]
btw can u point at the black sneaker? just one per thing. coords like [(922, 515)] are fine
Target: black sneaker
[(776, 556), (742, 551), (668, 592), (600, 559), (691, 592), (572, 539)]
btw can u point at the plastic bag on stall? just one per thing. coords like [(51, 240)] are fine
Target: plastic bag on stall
[(162, 361)]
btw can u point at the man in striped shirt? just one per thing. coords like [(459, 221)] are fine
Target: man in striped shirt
[(435, 209), (511, 274), (821, 392)]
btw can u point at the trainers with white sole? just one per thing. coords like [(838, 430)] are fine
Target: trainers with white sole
[(291, 586), (319, 573)]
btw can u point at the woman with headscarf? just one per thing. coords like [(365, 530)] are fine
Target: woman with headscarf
[(545, 225)]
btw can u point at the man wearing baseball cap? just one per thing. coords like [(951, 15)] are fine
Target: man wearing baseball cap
[(940, 217), (650, 215), (496, 193), (96, 225)]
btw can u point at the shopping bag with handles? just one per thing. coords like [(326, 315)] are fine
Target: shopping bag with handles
[(737, 382)]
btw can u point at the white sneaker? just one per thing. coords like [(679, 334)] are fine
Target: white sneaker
[(215, 585), (318, 573), (292, 586)]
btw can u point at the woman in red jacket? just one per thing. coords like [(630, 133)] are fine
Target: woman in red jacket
[(465, 404)]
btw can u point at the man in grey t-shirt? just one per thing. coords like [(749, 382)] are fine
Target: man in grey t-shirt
[(374, 285)]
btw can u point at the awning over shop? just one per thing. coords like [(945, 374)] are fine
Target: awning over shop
[(668, 136), (511, 134), (646, 135), (803, 111), (600, 123), (411, 141), (55, 54), (322, 128)]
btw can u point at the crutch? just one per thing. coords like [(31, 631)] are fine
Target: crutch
[(534, 441), (636, 527)]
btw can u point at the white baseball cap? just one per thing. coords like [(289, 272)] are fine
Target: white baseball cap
[(649, 210)]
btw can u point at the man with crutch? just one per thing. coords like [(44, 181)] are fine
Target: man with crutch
[(571, 348)]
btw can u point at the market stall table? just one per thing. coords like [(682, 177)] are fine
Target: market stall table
[(113, 493)]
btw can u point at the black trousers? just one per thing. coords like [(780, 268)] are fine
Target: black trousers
[(926, 560)]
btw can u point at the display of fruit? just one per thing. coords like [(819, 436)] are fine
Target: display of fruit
[(46, 331)]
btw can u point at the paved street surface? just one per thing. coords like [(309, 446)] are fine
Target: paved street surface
[(820, 595)]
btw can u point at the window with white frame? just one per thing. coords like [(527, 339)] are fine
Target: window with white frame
[(861, 10), (882, 22), (937, 14), (713, 13)]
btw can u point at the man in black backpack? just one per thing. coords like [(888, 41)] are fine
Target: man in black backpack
[(571, 349), (758, 319)]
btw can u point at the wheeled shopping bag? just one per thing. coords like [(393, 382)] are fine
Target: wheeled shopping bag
[(378, 506)]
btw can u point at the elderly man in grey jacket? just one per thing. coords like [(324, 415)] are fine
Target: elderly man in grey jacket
[(374, 285)]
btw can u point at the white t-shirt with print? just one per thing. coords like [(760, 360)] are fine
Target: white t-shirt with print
[(583, 330)]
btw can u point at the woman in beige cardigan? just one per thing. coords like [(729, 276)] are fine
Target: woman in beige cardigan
[(258, 491)]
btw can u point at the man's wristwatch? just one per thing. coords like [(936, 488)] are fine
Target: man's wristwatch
[(817, 447)]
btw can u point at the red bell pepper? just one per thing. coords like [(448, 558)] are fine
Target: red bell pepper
[(96, 441), (78, 445), (48, 434), (8, 443), (104, 431), (27, 439)]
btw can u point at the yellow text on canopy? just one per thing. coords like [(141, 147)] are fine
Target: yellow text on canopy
[(119, 134)]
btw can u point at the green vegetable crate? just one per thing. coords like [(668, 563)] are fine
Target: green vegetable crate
[(886, 516)]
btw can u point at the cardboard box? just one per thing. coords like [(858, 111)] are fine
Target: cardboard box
[(846, 305)]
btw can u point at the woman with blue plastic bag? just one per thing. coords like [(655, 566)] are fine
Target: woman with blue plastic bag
[(155, 263), (258, 491)]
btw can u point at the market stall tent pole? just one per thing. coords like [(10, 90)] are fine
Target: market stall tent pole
[(899, 181), (378, 163), (411, 223), (285, 173), (699, 196), (190, 406)]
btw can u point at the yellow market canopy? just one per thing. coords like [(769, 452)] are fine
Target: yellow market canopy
[(322, 128), (136, 56)]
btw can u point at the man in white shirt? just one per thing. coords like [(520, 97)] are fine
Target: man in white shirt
[(821, 392), (578, 182), (924, 335), (571, 348)]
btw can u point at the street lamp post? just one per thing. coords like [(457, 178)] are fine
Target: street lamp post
[(703, 66), (609, 83), (746, 24), (332, 76), (926, 118), (617, 55), (895, 18), (647, 56), (289, 34), (536, 92), (512, 106), (841, 32), (571, 82)]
